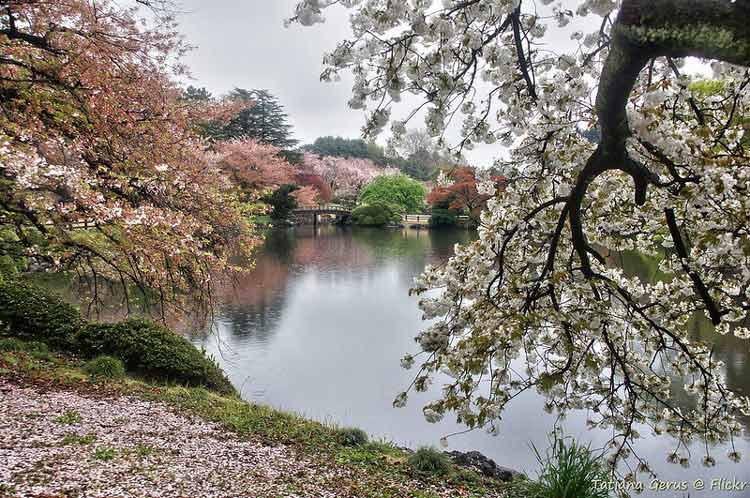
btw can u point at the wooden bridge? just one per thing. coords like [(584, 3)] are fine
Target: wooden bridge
[(343, 212), (340, 211), (423, 221)]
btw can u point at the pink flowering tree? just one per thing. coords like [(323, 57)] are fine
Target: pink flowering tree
[(100, 171), (253, 166), (345, 176)]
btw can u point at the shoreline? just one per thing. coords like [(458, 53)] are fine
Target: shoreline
[(122, 427)]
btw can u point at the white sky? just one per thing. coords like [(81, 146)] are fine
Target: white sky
[(243, 43)]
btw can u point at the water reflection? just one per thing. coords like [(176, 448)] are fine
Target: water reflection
[(734, 352), (321, 323)]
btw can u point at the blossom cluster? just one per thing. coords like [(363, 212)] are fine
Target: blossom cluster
[(539, 301)]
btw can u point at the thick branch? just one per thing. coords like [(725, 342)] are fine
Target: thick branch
[(700, 287), (646, 29)]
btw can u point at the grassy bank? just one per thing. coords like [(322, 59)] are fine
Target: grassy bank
[(346, 465)]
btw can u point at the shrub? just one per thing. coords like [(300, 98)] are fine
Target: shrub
[(352, 436), (33, 313), (105, 367), (442, 217), (569, 470), (153, 351), (36, 347), (12, 344), (430, 461), (375, 214)]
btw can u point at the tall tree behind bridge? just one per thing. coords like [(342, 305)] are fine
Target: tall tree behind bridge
[(422, 154), (263, 119)]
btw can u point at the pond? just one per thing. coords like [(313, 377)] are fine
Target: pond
[(321, 323)]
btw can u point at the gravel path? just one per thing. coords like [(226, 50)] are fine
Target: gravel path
[(59, 443)]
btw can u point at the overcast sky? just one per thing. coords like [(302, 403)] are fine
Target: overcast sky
[(243, 43)]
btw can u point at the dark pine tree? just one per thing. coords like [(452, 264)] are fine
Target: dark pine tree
[(195, 94), (263, 119)]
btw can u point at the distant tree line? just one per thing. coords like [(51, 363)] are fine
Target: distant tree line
[(416, 155)]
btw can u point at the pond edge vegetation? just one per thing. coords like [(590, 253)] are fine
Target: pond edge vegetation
[(45, 340)]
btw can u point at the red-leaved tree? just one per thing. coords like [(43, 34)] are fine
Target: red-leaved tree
[(461, 194)]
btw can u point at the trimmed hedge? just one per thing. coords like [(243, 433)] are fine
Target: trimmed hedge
[(375, 214), (33, 313), (153, 351)]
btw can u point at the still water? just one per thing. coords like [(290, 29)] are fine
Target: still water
[(321, 323)]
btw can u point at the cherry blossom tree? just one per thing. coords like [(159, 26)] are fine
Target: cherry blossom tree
[(100, 170), (252, 165), (346, 176), (257, 167), (316, 183), (666, 175)]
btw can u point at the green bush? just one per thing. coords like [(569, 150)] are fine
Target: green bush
[(12, 344), (33, 313), (352, 436), (153, 351), (569, 470), (399, 191), (430, 461), (375, 214), (442, 217), (105, 367)]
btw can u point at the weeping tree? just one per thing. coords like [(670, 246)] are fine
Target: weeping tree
[(533, 304)]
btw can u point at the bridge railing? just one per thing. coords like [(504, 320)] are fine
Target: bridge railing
[(325, 207)]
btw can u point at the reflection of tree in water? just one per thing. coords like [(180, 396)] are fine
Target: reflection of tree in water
[(413, 249), (331, 248), (253, 303), (732, 351)]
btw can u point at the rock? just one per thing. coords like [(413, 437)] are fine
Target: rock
[(485, 466)]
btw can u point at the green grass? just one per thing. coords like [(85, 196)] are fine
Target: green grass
[(78, 440), (569, 471), (7, 490), (105, 453), (35, 349), (70, 417), (144, 450)]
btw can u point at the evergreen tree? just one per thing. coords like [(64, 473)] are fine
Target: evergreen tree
[(263, 119), (282, 201), (343, 147), (195, 94)]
